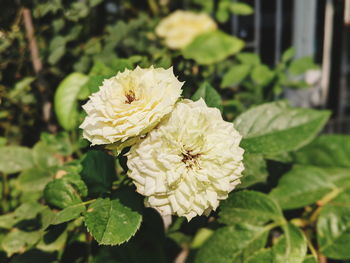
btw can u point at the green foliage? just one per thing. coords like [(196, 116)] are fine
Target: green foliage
[(98, 171), (66, 100), (211, 97), (212, 47), (114, 221), (271, 128), (15, 159), (62, 201)]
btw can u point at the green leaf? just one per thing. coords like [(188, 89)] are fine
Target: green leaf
[(201, 236), (34, 179), (57, 49), (248, 58), (326, 151), (333, 227), (98, 171), (303, 185), (262, 75), (288, 54), (250, 207), (59, 143), (68, 214), (301, 65), (212, 47), (235, 75), (211, 97), (114, 221), (43, 155), (228, 244), (54, 239), (276, 127), (92, 85), (61, 193), (310, 259), (290, 248), (15, 159), (19, 241), (66, 100), (26, 211), (242, 9), (255, 170)]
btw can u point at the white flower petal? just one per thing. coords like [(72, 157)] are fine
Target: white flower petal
[(190, 162)]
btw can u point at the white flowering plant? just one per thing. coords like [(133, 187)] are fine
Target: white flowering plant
[(169, 143)]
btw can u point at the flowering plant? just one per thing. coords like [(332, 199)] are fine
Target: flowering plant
[(168, 143)]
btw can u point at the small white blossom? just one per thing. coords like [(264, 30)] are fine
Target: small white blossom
[(130, 104), (181, 27), (190, 162)]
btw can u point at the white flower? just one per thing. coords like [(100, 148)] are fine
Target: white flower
[(190, 162), (181, 27), (130, 104)]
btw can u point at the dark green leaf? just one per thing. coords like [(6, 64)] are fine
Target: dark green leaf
[(303, 185), (250, 207), (212, 47), (326, 151), (227, 244), (114, 221), (255, 170), (68, 214), (276, 127), (98, 171), (333, 227)]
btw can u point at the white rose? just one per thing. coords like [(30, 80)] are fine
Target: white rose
[(181, 27), (190, 162), (130, 104)]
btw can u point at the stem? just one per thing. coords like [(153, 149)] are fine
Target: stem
[(88, 202), (311, 247)]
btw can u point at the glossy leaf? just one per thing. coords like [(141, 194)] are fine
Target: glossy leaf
[(227, 244), (326, 151), (303, 185), (333, 227), (249, 207), (276, 127)]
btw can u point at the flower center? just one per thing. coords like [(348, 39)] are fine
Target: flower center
[(130, 97), (190, 159)]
